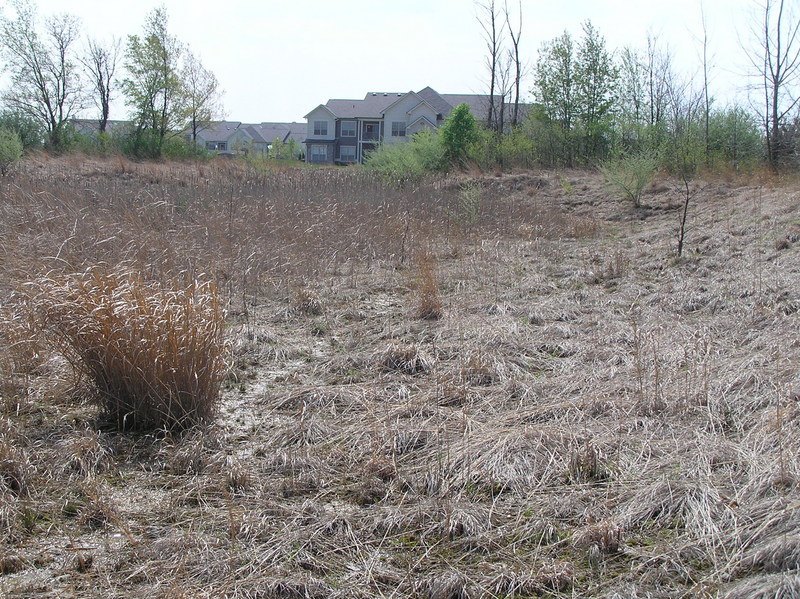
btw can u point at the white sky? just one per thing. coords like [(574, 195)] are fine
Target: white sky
[(278, 59)]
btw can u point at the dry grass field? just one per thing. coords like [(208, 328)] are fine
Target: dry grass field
[(500, 386)]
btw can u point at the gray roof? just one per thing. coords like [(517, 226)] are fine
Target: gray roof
[(267, 132), (375, 104), (371, 107), (219, 131), (439, 104), (92, 126), (478, 103)]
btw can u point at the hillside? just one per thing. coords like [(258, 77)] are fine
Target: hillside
[(590, 415)]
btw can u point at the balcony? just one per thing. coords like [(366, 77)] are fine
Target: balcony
[(370, 131)]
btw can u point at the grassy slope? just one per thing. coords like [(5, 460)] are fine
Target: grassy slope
[(590, 416)]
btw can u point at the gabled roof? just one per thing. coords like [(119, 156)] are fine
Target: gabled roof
[(220, 130), (375, 104), (434, 99), (371, 107), (403, 96), (422, 117), (478, 103), (324, 107), (267, 132)]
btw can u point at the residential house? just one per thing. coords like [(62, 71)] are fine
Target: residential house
[(345, 131), (91, 127), (222, 137), (264, 135), (235, 137)]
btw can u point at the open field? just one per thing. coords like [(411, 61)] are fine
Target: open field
[(473, 387)]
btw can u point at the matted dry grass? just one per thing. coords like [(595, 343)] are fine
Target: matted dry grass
[(588, 417)]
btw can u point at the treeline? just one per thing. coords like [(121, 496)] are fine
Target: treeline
[(593, 106), (56, 74)]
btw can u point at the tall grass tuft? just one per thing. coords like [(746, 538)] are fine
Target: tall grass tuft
[(155, 355), (429, 304)]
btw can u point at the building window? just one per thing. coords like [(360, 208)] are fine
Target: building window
[(320, 127), (319, 153), (347, 153), (219, 146), (348, 128), (398, 129)]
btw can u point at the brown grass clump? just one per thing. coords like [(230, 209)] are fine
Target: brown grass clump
[(155, 355), (307, 302), (429, 304), (404, 359)]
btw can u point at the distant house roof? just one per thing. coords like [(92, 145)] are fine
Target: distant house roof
[(268, 132), (375, 104), (219, 131), (432, 97), (371, 107), (92, 126)]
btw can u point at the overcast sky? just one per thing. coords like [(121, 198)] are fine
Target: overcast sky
[(278, 59)]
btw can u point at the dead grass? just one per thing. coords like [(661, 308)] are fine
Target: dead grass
[(587, 418)]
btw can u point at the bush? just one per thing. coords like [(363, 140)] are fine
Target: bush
[(630, 175), (458, 133), (10, 150), (30, 132), (401, 162), (154, 355)]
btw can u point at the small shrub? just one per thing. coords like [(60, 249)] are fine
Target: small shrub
[(630, 175), (154, 355), (10, 150)]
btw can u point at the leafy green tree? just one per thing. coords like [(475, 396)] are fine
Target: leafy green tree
[(734, 138), (153, 89), (45, 80), (10, 150), (458, 132), (556, 89), (596, 79), (203, 104)]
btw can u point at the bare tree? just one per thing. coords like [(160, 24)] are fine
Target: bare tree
[(492, 35), (45, 81), (100, 62), (776, 62), (706, 96), (515, 57), (203, 102)]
